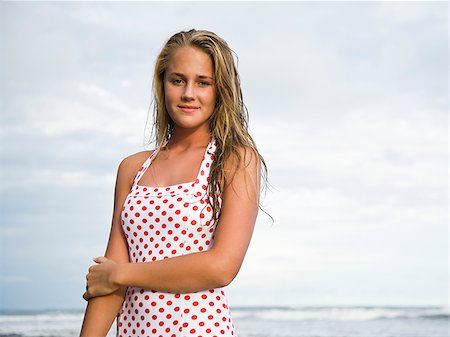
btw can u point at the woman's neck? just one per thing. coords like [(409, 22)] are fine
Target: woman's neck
[(184, 139)]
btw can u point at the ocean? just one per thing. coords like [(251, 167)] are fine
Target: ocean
[(354, 321)]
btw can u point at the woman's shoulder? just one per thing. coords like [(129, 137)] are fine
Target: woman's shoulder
[(129, 165), (241, 158), (245, 161), (137, 158)]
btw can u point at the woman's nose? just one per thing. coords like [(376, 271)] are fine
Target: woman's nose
[(189, 92)]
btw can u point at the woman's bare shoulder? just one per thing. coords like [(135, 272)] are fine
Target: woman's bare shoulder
[(247, 156), (137, 158), (131, 164)]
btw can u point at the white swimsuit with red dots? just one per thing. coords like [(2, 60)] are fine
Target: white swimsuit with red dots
[(160, 223)]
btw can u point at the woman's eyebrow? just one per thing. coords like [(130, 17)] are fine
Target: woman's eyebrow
[(183, 76), (176, 74)]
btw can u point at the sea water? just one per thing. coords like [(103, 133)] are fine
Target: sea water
[(266, 322)]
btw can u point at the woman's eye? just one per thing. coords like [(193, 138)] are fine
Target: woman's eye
[(204, 84), (177, 82)]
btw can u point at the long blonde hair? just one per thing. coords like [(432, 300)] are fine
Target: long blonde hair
[(228, 123)]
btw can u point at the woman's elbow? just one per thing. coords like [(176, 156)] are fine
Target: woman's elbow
[(226, 272)]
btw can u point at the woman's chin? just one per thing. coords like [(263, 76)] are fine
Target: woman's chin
[(190, 125)]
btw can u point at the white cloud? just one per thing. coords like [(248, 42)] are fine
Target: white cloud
[(348, 104), (411, 12)]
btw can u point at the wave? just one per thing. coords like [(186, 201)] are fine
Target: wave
[(340, 313), (263, 322), (275, 313)]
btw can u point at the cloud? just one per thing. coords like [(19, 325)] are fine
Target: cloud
[(348, 105)]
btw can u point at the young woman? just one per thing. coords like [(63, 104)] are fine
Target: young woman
[(184, 213)]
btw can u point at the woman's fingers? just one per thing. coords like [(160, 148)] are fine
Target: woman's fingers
[(98, 279), (100, 259), (86, 296)]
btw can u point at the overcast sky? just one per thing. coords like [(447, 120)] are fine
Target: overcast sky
[(348, 104)]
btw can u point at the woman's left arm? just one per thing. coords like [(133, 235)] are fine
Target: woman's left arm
[(198, 271)]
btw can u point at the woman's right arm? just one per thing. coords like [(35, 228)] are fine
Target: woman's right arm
[(101, 311)]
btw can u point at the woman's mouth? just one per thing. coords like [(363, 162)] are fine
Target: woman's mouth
[(187, 108)]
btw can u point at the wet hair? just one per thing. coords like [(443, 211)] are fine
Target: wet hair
[(228, 123)]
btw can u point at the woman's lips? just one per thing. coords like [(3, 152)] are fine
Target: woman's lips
[(187, 108)]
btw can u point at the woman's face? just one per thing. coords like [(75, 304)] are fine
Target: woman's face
[(189, 88)]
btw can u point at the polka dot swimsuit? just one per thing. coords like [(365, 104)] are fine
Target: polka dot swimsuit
[(160, 223)]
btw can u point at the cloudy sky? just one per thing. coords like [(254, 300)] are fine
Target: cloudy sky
[(348, 104)]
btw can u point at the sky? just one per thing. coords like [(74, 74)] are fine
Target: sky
[(348, 105)]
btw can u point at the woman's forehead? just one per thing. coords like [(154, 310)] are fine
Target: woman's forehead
[(190, 61)]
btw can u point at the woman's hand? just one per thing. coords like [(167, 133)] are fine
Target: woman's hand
[(100, 279)]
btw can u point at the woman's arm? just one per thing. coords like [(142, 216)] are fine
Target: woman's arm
[(101, 311), (214, 268)]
